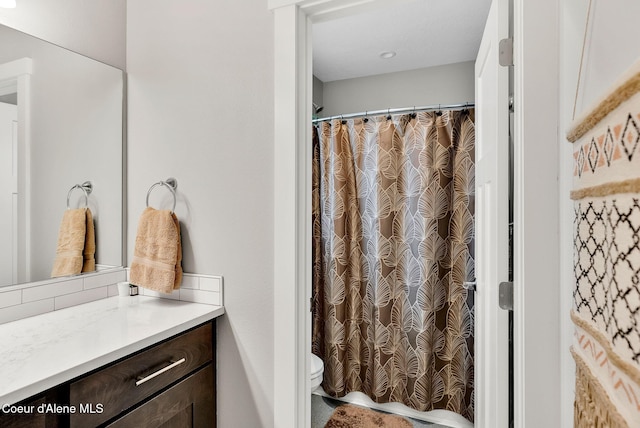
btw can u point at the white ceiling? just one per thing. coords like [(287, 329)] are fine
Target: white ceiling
[(423, 33)]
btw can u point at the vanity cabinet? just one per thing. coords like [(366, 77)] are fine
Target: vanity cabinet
[(29, 416), (169, 384)]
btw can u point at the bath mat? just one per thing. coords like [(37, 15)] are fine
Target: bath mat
[(349, 416), (606, 259)]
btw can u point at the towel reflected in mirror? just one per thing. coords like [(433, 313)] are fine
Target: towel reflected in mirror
[(76, 248)]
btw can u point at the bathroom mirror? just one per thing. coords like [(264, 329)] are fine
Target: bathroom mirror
[(63, 125)]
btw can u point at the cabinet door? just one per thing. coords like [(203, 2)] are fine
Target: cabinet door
[(35, 417), (189, 403)]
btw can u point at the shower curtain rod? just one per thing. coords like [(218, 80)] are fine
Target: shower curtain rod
[(403, 110)]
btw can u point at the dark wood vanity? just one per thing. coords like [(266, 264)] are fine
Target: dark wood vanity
[(169, 384)]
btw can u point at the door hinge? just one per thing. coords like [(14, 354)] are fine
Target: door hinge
[(505, 52), (505, 295)]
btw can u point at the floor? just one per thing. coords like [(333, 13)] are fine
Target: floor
[(323, 407)]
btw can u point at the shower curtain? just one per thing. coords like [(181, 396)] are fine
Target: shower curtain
[(393, 210)]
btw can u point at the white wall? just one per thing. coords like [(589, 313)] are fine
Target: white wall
[(611, 46), (200, 87), (318, 92), (445, 84), (93, 28)]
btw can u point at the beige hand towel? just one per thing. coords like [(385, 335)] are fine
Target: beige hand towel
[(76, 244), (157, 256), (89, 252)]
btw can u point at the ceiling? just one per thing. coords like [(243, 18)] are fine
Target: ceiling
[(422, 33)]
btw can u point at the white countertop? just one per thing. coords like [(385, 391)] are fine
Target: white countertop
[(43, 351)]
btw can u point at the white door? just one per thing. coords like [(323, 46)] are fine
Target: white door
[(492, 223), (8, 207)]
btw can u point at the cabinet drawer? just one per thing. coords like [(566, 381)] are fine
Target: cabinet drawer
[(114, 389), (189, 403)]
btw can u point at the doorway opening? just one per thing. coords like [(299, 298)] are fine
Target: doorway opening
[(340, 89)]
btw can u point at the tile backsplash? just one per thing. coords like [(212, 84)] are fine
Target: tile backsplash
[(207, 289), (26, 300)]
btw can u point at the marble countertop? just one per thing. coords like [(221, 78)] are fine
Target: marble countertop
[(43, 351)]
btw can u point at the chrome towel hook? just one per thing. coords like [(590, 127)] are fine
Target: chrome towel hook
[(171, 184), (86, 188)]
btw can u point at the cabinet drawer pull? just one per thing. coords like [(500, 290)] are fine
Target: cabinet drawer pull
[(173, 364)]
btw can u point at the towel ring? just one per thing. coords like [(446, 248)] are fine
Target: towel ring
[(86, 187), (171, 184)]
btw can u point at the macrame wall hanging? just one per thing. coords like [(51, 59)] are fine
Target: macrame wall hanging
[(606, 311)]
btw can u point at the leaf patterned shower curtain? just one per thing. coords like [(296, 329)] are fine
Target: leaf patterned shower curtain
[(393, 207)]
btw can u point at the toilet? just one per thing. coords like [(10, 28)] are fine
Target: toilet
[(316, 369)]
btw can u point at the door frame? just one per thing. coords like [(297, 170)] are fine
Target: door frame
[(9, 143), (17, 75), (536, 206)]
